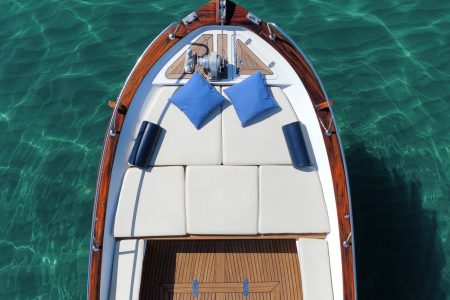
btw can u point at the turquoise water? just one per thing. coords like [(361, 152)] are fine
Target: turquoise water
[(385, 63)]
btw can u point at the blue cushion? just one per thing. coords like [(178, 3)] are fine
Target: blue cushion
[(145, 145), (197, 99), (296, 144), (251, 99)]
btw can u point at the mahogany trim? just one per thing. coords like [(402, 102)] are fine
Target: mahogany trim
[(236, 16), (324, 105)]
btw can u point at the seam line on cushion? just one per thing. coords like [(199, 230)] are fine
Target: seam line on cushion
[(221, 129), (185, 198), (136, 203), (258, 173), (117, 203)]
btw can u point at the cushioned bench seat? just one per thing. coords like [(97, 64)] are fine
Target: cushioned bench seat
[(181, 143), (291, 201), (262, 143), (151, 203), (315, 269), (237, 198), (126, 278), (222, 200)]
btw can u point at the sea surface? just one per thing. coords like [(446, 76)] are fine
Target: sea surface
[(385, 63)]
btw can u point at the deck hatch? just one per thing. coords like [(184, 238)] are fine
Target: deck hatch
[(181, 269)]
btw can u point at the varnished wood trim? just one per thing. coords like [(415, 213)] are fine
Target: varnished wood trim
[(236, 16), (323, 106)]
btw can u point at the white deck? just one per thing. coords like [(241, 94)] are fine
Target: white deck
[(283, 79)]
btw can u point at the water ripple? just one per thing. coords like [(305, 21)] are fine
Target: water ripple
[(385, 63)]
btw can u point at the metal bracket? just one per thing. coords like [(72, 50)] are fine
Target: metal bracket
[(112, 132), (222, 10), (189, 18), (252, 17), (95, 247), (272, 36), (173, 35), (347, 243)]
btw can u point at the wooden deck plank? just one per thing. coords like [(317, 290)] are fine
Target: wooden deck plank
[(171, 266), (222, 49), (202, 46), (248, 62)]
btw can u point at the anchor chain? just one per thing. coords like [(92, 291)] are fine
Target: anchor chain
[(235, 55), (222, 14)]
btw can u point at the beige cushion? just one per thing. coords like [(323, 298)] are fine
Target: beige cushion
[(181, 143), (291, 201), (126, 278), (222, 200), (262, 143), (315, 269), (151, 203)]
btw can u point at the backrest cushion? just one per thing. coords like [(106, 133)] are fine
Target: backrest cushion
[(197, 99), (251, 99)]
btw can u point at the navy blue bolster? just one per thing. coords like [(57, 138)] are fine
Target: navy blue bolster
[(144, 145), (296, 144)]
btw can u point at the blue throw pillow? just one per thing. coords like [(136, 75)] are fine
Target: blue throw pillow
[(251, 99), (197, 99)]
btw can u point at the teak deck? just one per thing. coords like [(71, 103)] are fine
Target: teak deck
[(271, 268), (236, 16)]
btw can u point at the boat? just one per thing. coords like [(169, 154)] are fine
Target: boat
[(222, 175)]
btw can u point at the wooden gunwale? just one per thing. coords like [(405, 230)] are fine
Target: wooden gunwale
[(236, 16)]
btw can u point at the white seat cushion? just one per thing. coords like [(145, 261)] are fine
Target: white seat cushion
[(222, 200), (262, 143), (151, 203), (181, 143), (126, 278), (291, 201), (315, 269)]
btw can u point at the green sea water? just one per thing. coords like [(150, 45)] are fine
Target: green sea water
[(385, 63)]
